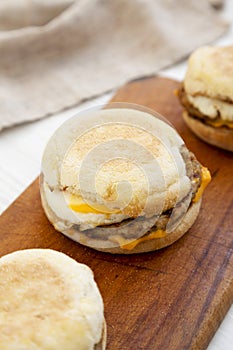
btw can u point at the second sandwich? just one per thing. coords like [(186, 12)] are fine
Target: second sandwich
[(207, 95)]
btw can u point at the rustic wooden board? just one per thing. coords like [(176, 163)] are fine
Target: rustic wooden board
[(172, 299)]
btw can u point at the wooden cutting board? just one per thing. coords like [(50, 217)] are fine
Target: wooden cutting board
[(172, 299)]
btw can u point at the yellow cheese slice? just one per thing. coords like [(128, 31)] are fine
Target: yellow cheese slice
[(220, 123), (130, 244), (205, 179), (80, 206)]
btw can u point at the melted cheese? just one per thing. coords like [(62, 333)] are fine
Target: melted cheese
[(129, 244), (205, 179), (220, 123), (80, 206)]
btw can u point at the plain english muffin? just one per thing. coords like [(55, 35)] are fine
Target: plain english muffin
[(121, 180), (48, 301), (207, 95)]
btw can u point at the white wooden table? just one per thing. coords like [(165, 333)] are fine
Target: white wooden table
[(21, 149)]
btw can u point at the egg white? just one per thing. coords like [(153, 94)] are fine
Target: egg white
[(58, 201)]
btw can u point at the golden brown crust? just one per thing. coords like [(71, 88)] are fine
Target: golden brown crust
[(221, 137)]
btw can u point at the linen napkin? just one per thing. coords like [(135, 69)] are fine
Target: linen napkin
[(56, 53)]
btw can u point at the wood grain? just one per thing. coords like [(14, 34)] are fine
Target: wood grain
[(171, 299)]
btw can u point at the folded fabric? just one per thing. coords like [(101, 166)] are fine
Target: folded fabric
[(54, 54)]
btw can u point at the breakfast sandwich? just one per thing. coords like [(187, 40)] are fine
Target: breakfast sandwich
[(121, 180), (207, 95)]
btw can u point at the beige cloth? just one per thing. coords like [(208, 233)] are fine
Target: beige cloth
[(54, 53)]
